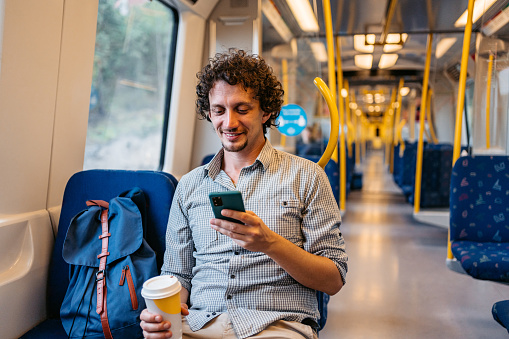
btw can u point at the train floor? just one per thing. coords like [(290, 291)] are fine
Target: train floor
[(398, 285)]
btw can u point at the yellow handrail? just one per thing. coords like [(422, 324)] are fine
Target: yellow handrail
[(388, 137), (342, 148), (488, 101), (420, 144), (398, 107), (399, 137), (330, 59), (399, 123), (333, 138), (284, 68), (461, 99), (430, 121)]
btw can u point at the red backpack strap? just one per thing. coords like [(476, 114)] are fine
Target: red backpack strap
[(101, 274), (100, 203)]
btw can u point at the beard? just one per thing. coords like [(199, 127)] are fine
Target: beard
[(235, 147)]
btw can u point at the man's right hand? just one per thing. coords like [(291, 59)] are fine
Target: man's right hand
[(153, 325)]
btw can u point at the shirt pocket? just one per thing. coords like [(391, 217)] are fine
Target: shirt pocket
[(290, 219)]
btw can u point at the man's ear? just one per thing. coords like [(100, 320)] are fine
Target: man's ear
[(266, 116)]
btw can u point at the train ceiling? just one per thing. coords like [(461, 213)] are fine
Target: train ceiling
[(414, 18)]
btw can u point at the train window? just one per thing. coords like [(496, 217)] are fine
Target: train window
[(133, 68)]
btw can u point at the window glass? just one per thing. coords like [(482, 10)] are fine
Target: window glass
[(133, 61)]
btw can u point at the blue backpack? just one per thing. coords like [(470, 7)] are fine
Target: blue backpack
[(109, 260)]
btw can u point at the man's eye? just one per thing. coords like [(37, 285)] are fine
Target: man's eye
[(217, 111)]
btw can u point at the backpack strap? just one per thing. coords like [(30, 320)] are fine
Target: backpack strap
[(100, 276)]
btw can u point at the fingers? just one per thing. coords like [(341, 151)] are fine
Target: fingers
[(153, 325), (184, 309), (244, 217), (150, 317), (230, 229)]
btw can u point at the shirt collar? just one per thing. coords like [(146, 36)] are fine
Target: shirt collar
[(264, 158)]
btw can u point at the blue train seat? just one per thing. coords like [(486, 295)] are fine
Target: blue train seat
[(500, 312), (436, 178), (159, 188), (206, 159), (405, 177), (479, 218), (356, 172)]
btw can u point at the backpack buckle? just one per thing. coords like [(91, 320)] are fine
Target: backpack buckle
[(97, 278)]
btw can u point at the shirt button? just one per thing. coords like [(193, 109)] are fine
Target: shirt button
[(236, 252), (208, 315), (232, 276), (213, 313), (228, 297)]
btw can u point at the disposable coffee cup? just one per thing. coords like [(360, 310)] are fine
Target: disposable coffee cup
[(162, 296)]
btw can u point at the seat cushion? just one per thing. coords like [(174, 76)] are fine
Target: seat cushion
[(486, 261), (50, 328), (500, 312)]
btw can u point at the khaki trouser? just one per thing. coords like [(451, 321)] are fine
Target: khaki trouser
[(221, 328)]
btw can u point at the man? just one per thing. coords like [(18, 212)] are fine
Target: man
[(256, 279)]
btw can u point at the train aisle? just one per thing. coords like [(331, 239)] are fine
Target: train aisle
[(398, 285)]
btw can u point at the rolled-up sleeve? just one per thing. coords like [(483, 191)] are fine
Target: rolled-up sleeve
[(321, 223)]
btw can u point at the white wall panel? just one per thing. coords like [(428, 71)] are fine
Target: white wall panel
[(28, 82)]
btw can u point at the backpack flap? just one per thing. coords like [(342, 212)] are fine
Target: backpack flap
[(82, 243)]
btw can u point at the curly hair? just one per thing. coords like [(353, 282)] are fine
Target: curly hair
[(251, 71)]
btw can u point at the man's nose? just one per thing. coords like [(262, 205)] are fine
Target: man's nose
[(231, 120)]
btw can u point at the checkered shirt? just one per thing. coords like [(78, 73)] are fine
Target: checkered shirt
[(293, 197)]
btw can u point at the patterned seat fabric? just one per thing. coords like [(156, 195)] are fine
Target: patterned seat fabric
[(479, 224), (487, 261)]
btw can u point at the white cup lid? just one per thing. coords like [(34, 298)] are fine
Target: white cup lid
[(159, 287)]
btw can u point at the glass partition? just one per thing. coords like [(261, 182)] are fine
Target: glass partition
[(491, 97)]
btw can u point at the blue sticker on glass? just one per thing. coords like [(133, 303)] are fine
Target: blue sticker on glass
[(292, 120)]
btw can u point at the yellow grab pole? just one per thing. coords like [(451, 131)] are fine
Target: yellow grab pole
[(398, 109), (394, 124), (284, 68), (342, 160), (399, 136), (488, 101), (357, 130), (330, 57), (462, 83), (461, 100), (430, 121), (388, 120), (420, 144), (348, 112), (333, 138)]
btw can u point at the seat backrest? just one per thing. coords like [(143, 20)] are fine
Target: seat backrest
[(206, 159), (158, 187), (436, 175), (478, 202)]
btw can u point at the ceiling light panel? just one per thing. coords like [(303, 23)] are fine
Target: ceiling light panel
[(387, 60), (304, 15), (364, 61)]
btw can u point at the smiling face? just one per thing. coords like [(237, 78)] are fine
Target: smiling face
[(237, 118)]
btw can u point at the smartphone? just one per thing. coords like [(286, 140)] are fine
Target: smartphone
[(231, 200)]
